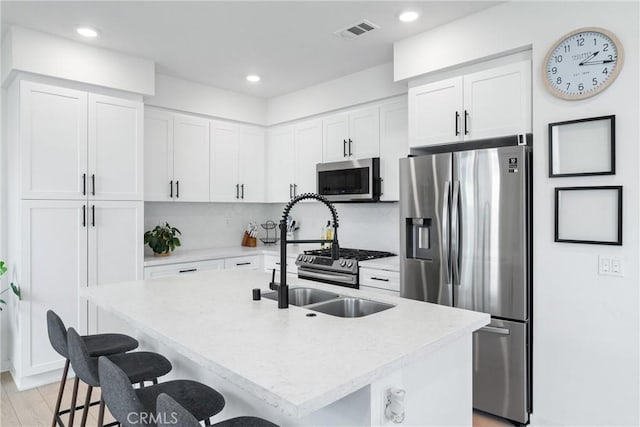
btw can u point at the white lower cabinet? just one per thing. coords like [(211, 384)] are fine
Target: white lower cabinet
[(182, 268), (380, 281), (272, 262)]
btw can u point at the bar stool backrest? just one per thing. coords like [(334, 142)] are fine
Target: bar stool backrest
[(171, 413), (119, 395), (84, 365), (57, 334)]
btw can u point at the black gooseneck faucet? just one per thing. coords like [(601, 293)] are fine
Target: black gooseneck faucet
[(282, 288)]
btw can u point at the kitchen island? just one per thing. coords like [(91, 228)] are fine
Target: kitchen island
[(293, 369)]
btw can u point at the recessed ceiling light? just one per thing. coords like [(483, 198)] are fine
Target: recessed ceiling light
[(409, 16), (253, 78), (87, 32)]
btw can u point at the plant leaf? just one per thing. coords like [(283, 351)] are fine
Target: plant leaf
[(16, 290)]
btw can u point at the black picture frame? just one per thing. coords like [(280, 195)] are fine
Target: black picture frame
[(616, 242), (612, 146)]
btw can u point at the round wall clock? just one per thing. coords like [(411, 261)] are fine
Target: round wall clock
[(583, 63)]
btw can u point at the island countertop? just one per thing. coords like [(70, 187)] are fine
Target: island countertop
[(296, 363)]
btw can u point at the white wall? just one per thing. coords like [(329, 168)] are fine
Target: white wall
[(586, 326), (39, 53), (191, 97), (357, 88)]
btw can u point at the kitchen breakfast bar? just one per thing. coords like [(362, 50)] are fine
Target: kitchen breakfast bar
[(294, 369)]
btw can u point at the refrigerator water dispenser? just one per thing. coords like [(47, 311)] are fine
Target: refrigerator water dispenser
[(419, 238)]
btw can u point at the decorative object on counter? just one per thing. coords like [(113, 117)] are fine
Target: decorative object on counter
[(162, 239), (582, 147), (394, 408), (582, 63), (269, 240), (591, 215), (249, 237), (14, 288)]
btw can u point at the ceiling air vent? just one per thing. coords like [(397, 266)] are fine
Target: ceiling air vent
[(356, 30)]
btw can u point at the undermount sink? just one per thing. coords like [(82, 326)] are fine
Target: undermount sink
[(350, 307), (304, 296)]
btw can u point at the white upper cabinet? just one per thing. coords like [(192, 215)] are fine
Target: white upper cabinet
[(490, 103), (308, 153), (53, 142), (435, 112), (394, 145), (251, 162), (115, 149), (158, 155), (225, 185), (498, 101), (280, 164), (353, 135), (190, 159)]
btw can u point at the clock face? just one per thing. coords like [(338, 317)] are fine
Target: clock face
[(583, 63)]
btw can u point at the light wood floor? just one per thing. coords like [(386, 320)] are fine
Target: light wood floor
[(34, 408)]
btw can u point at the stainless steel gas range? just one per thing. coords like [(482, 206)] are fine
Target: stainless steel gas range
[(317, 265)]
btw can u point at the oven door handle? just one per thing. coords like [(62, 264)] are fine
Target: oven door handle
[(335, 278)]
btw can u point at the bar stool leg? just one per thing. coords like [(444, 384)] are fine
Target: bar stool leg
[(87, 403), (101, 413), (63, 382), (74, 401)]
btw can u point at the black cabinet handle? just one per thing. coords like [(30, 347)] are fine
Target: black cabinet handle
[(344, 148), (84, 184), (171, 189), (93, 215), (242, 193), (93, 184), (350, 146), (237, 191), (188, 270), (380, 279), (243, 263), (177, 189), (457, 123), (84, 215), (466, 119)]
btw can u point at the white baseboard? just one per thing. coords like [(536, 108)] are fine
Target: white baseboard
[(26, 383)]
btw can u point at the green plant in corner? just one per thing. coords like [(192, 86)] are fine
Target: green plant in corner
[(14, 288), (162, 239)]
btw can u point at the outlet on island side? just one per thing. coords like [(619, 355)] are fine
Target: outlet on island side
[(610, 266)]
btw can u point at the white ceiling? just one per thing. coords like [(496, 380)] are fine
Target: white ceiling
[(290, 44)]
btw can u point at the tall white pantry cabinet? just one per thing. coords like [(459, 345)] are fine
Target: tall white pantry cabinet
[(75, 211)]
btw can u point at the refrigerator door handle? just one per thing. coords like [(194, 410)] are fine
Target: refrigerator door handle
[(495, 330), (445, 228), (455, 233)]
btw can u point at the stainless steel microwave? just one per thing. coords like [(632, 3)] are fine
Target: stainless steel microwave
[(350, 181)]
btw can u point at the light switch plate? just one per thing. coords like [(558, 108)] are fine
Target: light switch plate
[(610, 266)]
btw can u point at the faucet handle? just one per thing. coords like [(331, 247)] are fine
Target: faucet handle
[(273, 285)]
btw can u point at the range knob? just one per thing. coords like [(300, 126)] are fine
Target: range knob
[(350, 264), (342, 263), (300, 257), (310, 259)]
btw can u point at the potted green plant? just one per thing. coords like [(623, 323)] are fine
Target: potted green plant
[(162, 239), (14, 288)]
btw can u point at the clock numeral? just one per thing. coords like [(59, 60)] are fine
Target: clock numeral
[(558, 58), (610, 57), (595, 41), (554, 70), (559, 80), (580, 87), (606, 47), (605, 71), (580, 41), (594, 81), (567, 48), (568, 85)]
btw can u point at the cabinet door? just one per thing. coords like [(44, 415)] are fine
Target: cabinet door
[(335, 131), (190, 159), (225, 186), (53, 142), (394, 140), (54, 256), (280, 163), (498, 101), (158, 156), (436, 113), (115, 148), (242, 263), (251, 164), (308, 153), (116, 245), (364, 134)]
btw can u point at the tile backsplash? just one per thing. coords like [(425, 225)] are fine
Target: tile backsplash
[(206, 225)]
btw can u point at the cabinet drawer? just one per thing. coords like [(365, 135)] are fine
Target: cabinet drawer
[(183, 268), (380, 291), (244, 262), (382, 279), (272, 261)]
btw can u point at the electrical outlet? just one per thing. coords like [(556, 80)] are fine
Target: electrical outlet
[(610, 266)]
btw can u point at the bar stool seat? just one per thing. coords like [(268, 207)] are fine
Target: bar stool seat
[(202, 401), (107, 344), (141, 365)]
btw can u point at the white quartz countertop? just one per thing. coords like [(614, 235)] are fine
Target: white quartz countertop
[(296, 363), (391, 263), (181, 255)]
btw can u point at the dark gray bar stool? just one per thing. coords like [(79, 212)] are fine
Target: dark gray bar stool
[(171, 414), (97, 345), (138, 366), (137, 407)]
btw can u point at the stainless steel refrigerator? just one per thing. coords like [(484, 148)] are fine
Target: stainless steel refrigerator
[(465, 213)]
